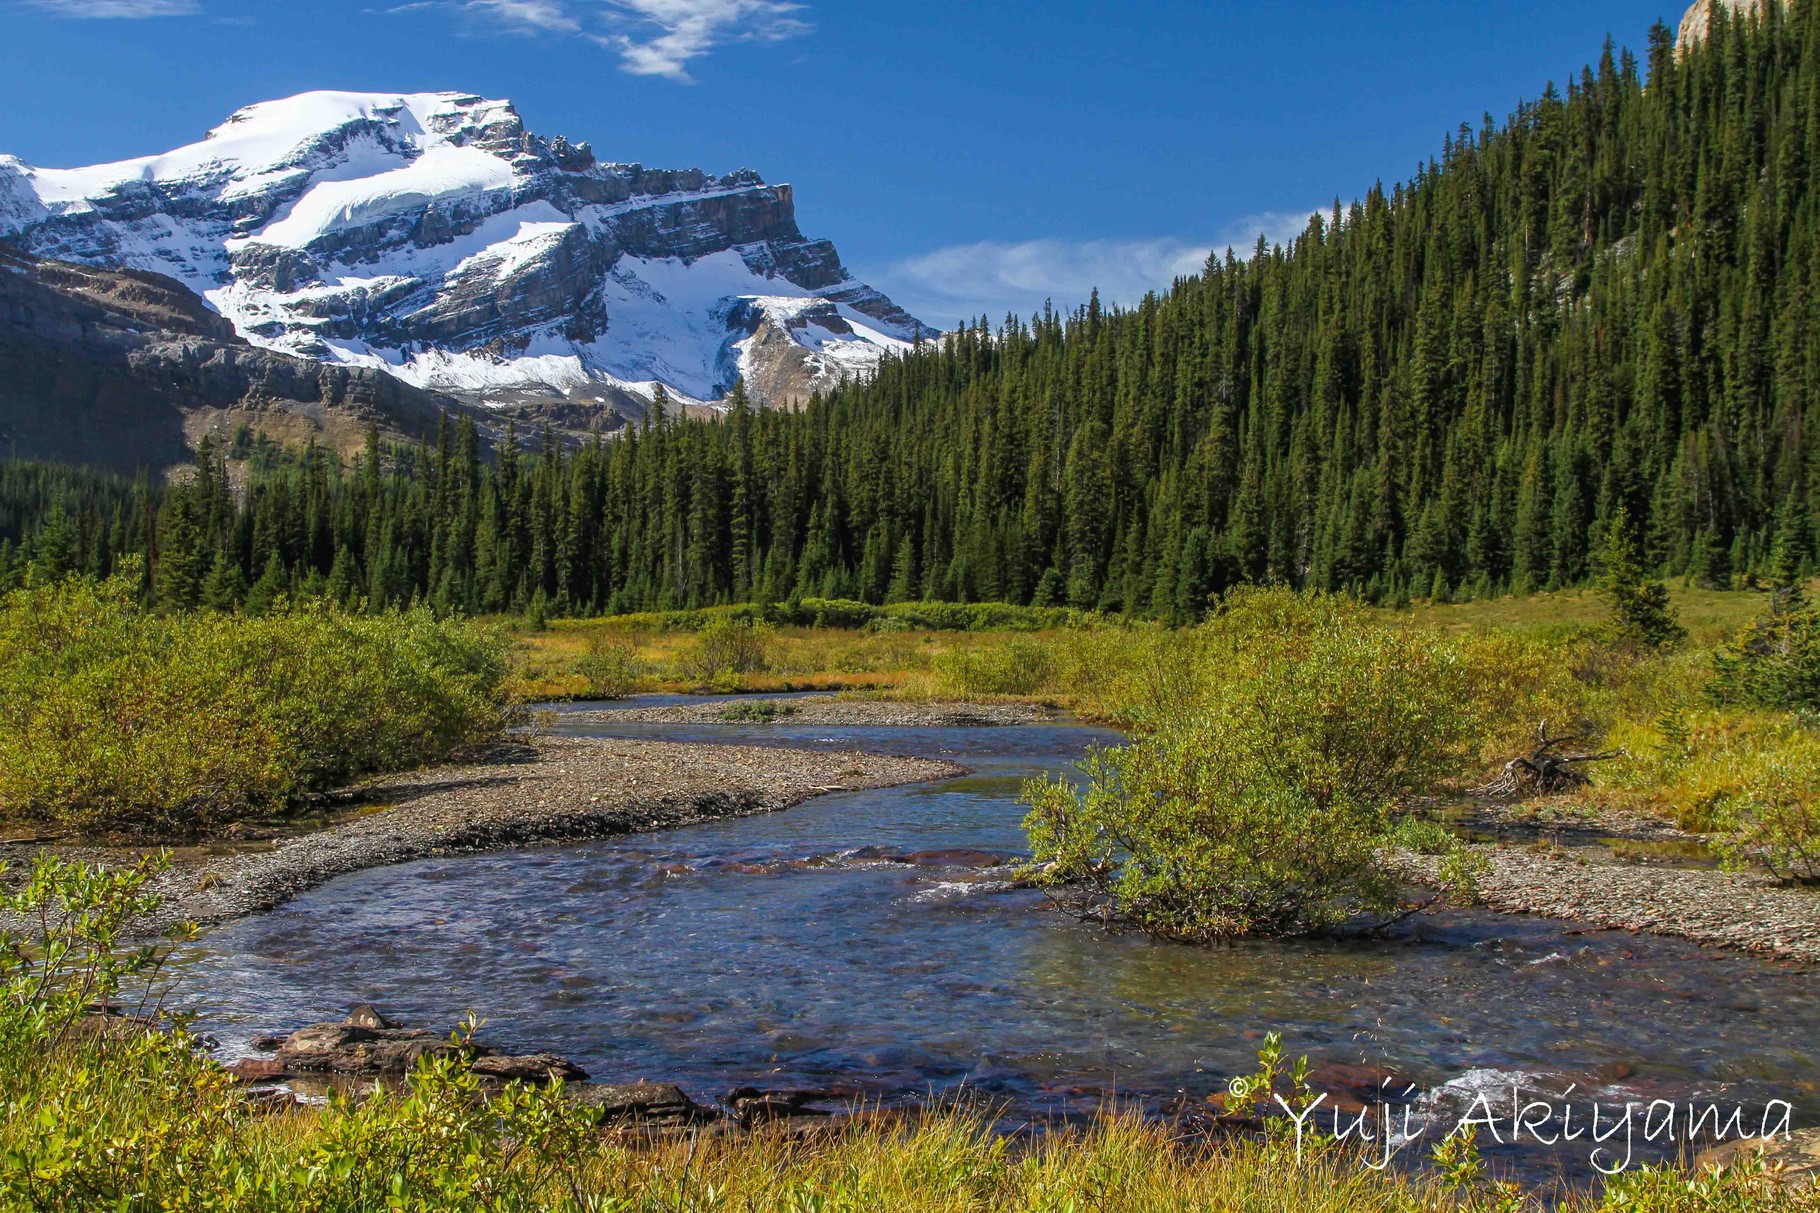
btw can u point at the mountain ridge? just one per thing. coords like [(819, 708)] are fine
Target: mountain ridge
[(434, 237)]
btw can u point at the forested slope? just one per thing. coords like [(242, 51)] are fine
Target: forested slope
[(1446, 388)]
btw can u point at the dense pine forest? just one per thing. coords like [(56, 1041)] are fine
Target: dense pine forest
[(1608, 302)]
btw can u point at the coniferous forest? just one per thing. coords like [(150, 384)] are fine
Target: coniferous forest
[(1610, 301)]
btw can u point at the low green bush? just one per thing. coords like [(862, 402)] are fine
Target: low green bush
[(1016, 666), (1775, 815), (764, 712), (1261, 803), (610, 665), (726, 648), (1775, 662), (113, 716)]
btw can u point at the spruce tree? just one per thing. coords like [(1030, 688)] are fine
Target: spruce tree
[(1641, 612)]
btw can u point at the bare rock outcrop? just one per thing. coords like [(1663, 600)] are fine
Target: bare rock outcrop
[(1698, 19)]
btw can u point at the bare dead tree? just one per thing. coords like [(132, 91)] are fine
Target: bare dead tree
[(1545, 770)]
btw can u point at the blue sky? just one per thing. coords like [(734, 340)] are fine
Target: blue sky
[(964, 157)]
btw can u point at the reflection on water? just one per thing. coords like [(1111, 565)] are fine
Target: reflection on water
[(873, 941)]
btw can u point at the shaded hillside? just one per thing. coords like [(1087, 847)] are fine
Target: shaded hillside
[(126, 369)]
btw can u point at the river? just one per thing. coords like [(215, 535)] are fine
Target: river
[(870, 942)]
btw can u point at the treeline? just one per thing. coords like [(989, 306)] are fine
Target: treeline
[(1607, 302)]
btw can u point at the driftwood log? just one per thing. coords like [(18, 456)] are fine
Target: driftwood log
[(1545, 770)]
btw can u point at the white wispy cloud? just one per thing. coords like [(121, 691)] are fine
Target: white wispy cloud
[(663, 35), (529, 16), (128, 9), (993, 278), (651, 37)]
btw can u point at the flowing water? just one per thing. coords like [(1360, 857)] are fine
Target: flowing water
[(871, 943)]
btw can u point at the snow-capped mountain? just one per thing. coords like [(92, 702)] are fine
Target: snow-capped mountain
[(434, 237)]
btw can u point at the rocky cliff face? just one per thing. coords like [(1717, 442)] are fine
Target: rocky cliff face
[(433, 237), (1695, 22), (129, 368)]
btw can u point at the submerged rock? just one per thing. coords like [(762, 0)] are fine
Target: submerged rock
[(270, 1099)]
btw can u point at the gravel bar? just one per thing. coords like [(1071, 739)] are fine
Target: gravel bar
[(551, 791), (1722, 909)]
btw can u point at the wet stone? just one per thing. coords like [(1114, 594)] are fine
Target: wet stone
[(343, 1048), (753, 1105), (536, 1067), (641, 1103), (366, 1015), (258, 1069)]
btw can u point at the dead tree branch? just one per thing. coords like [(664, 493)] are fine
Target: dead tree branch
[(1544, 771)]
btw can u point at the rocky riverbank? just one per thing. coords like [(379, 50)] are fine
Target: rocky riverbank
[(348, 1056), (857, 713), (546, 791)]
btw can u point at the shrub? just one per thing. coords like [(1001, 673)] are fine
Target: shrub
[(762, 712), (725, 648), (1261, 805), (114, 716), (610, 665), (1016, 666), (1775, 815)]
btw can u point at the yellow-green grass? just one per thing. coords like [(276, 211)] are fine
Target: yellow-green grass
[(547, 664), (1710, 616), (174, 1132)]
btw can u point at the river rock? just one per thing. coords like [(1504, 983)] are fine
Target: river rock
[(257, 1069), (1798, 1154), (345, 1048), (641, 1103), (537, 1067), (366, 1015), (753, 1105), (269, 1099), (106, 1022)]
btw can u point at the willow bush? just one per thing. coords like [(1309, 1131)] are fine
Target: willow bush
[(112, 715), (725, 649), (1262, 801)]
